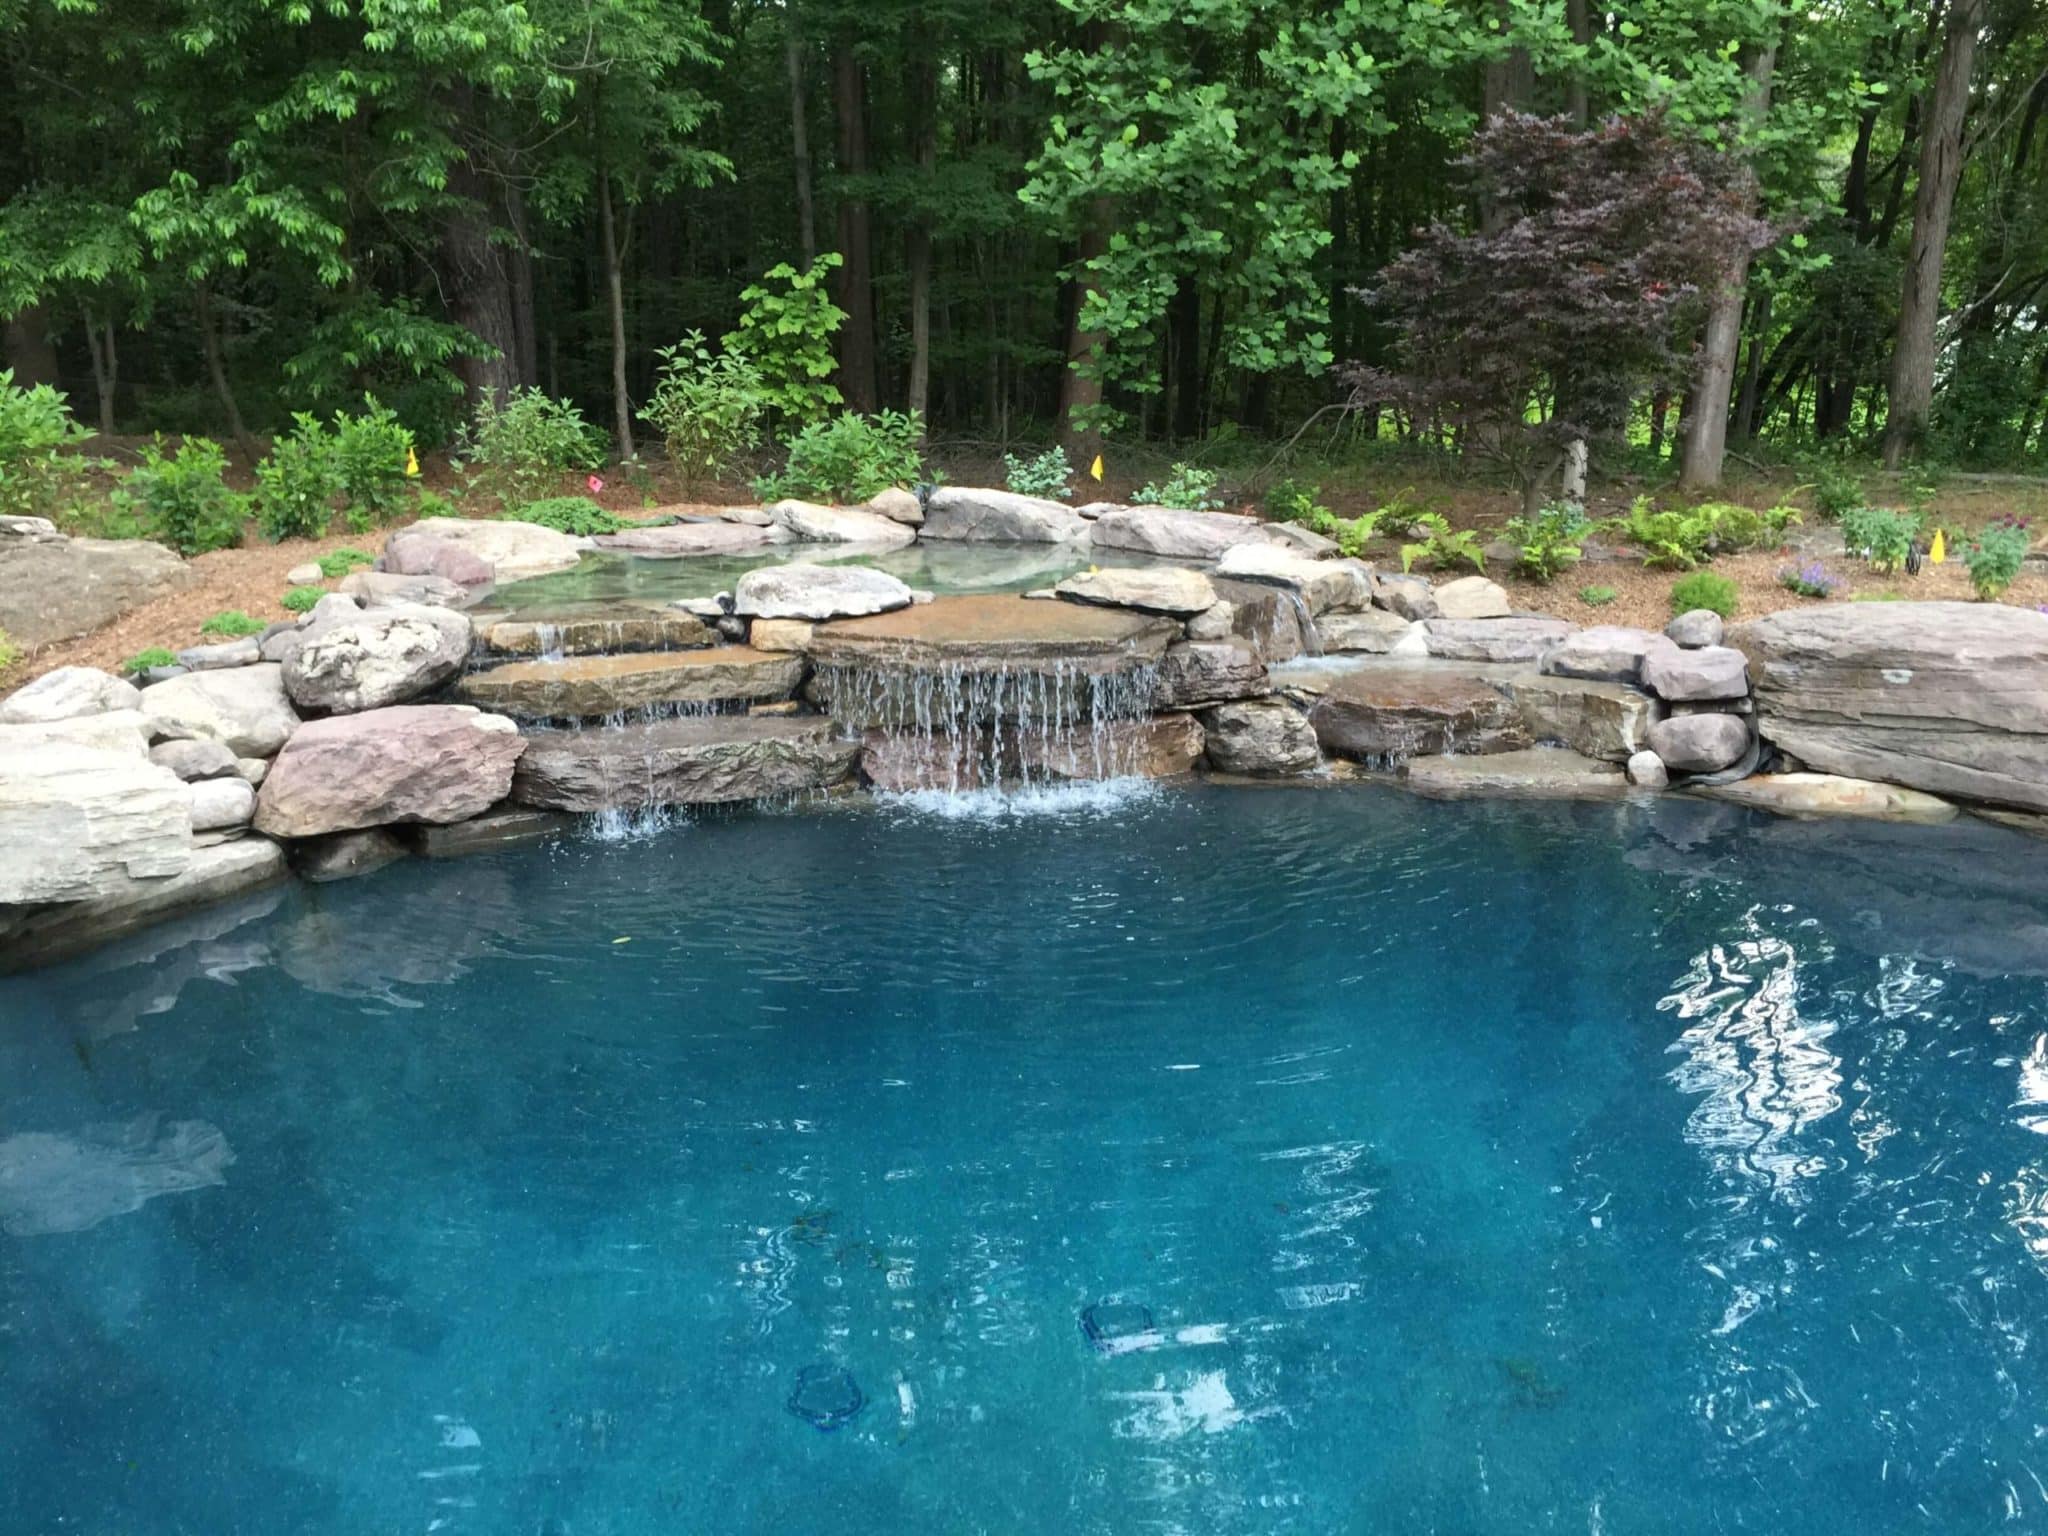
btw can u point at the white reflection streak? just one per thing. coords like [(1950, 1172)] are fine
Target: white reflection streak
[(2027, 1209)]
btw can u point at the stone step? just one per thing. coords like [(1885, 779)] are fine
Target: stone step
[(701, 761), (1532, 773), (993, 632), (593, 630), (593, 687)]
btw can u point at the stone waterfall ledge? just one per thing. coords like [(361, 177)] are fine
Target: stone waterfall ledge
[(591, 629), (994, 633), (593, 687), (707, 761)]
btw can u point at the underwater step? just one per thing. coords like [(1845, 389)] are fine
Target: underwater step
[(593, 687), (708, 760)]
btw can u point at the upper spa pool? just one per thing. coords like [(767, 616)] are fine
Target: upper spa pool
[(1196, 1161)]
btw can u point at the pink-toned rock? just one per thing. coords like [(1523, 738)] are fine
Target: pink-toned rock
[(418, 554), (406, 763)]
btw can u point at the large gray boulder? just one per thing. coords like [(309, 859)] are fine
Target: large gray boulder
[(1472, 597), (78, 821), (1266, 738), (1700, 743), (1524, 638), (381, 656), (191, 760), (1376, 631), (1411, 597), (1711, 674), (668, 541), (67, 693), (1609, 653), (1951, 698), (968, 512), (1324, 586), (513, 550), (1386, 714), (800, 590), (406, 763), (817, 524), (707, 760), (1199, 672), (245, 709), (1605, 720), (55, 588), (37, 935), (1168, 589), (1182, 535), (387, 589)]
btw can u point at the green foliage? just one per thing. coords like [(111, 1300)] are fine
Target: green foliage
[(370, 453), (1597, 596), (433, 504), (1882, 535), (1732, 528), (577, 515), (849, 458), (1290, 501), (1047, 474), (1994, 556), (301, 599), (1835, 490), (339, 562), (1682, 537), (1442, 547), (183, 498), (1187, 489), (38, 478), (786, 333), (297, 483), (516, 452), (707, 407), (1705, 589), (1808, 580), (1548, 541), (232, 624), (10, 653), (144, 661)]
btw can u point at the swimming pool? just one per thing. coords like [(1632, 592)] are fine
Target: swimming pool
[(1172, 1161)]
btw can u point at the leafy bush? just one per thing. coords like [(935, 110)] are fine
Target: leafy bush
[(1704, 589), (1732, 528), (1548, 541), (1597, 597), (1673, 541), (786, 334), (707, 407), (183, 497), (10, 653), (849, 458), (340, 562), (296, 484), (372, 453), (1882, 535), (516, 451), (37, 477), (1835, 490), (433, 504), (1441, 546), (1187, 489), (577, 515), (232, 624), (1808, 580), (301, 599), (143, 661), (1994, 556), (1049, 474)]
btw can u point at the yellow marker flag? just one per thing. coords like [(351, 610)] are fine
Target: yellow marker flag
[(1095, 469), (412, 463), (1938, 550)]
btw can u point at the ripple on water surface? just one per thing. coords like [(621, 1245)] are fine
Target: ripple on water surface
[(1131, 1160)]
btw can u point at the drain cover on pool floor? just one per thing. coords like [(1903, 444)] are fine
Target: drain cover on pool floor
[(826, 1396), (1108, 1321)]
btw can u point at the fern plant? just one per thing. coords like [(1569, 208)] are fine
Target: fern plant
[(1441, 546)]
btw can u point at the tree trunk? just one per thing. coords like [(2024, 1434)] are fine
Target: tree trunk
[(615, 304), (474, 279), (1081, 382), (1184, 327), (519, 273), (1575, 105), (27, 348), (1574, 485), (1507, 86), (1745, 409), (1706, 429), (1660, 413), (925, 151), (106, 366), (1911, 396), (800, 139), (216, 370), (856, 275)]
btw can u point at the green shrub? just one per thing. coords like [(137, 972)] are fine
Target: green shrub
[(1732, 528), (1441, 546), (232, 624), (1548, 541), (1808, 580), (10, 653), (37, 477), (849, 458), (1704, 589), (1994, 556), (296, 484), (1292, 502), (517, 451), (1673, 541), (182, 497), (301, 599), (707, 407), (1597, 597), (1048, 474), (433, 504), (577, 515), (340, 562), (1187, 489), (786, 334), (373, 459), (155, 656), (1882, 535), (1835, 490)]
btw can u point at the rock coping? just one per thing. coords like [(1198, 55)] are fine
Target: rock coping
[(990, 632), (595, 687)]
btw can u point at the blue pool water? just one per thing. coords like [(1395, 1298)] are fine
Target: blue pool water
[(1219, 1161)]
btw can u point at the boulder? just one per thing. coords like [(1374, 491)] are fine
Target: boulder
[(1711, 674), (1604, 653), (591, 687), (512, 549), (78, 821), (1324, 586), (1275, 622), (594, 630), (1168, 589), (66, 693), (344, 855), (217, 873), (967, 512), (1604, 720), (898, 505), (673, 541), (1158, 747), (1695, 629), (382, 656), (192, 760), (996, 632), (126, 731), (1411, 597), (422, 557), (1827, 794), (230, 653), (1533, 773), (905, 762), (1700, 743), (1386, 714), (307, 575), (707, 760), (1180, 535), (245, 709), (780, 634), (385, 589), (1514, 639), (840, 525), (1646, 770), (221, 803), (1950, 698), (1472, 597), (252, 770), (1375, 631), (1198, 672), (1265, 738), (1216, 622), (56, 588), (407, 762), (800, 590)]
